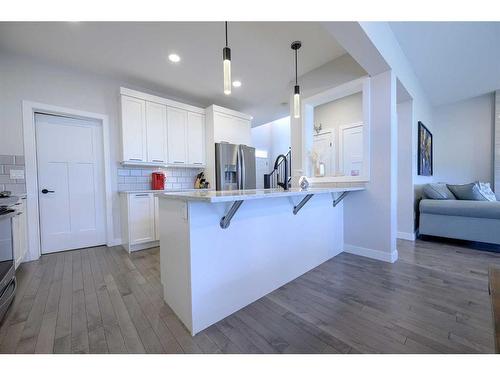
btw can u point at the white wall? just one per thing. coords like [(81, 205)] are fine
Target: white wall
[(343, 111), (463, 140), (261, 137), (406, 212), (23, 79), (273, 137), (280, 137), (496, 171)]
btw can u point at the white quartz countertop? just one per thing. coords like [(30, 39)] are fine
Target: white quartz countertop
[(160, 191), (212, 196)]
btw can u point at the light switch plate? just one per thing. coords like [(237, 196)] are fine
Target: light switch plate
[(17, 174)]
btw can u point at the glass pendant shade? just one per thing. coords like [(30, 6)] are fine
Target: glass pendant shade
[(296, 102), (227, 70)]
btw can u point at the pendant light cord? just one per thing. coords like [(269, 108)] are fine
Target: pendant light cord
[(226, 33), (296, 67)]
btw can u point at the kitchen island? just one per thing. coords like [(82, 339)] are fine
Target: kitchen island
[(222, 250)]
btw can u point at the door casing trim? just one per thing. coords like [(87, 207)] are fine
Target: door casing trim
[(31, 175)]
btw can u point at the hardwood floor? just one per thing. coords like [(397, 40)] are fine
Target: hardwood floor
[(98, 300)]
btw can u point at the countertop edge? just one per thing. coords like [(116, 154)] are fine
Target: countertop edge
[(254, 196), (160, 191)]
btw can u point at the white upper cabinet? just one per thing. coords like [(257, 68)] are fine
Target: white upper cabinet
[(196, 138), (134, 129), (156, 132), (159, 131), (177, 135), (232, 129)]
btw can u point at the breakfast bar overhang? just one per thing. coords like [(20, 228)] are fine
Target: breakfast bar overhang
[(227, 249)]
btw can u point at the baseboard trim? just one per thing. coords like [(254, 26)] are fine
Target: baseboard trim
[(406, 236), (115, 242), (371, 253)]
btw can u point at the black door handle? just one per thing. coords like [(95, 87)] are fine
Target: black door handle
[(45, 191)]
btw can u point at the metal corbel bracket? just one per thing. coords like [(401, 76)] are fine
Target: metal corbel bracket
[(226, 219), (304, 200), (339, 199)]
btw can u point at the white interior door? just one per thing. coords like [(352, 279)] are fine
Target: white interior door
[(352, 150), (323, 146), (71, 183)]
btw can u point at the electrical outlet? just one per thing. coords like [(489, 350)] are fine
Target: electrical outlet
[(17, 174)]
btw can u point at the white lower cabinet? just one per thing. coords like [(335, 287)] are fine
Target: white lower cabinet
[(157, 218), (20, 232), (139, 221)]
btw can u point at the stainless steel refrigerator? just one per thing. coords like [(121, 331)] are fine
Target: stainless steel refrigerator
[(234, 167)]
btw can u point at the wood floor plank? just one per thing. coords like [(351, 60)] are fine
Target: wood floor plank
[(79, 332), (180, 332), (434, 299), (146, 333), (14, 332), (29, 337), (131, 337), (114, 339), (150, 306), (24, 275), (45, 339), (62, 339)]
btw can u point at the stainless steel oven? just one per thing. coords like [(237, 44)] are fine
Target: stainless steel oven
[(7, 268)]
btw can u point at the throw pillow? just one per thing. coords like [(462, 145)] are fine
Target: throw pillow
[(438, 191), (467, 192), (486, 192)]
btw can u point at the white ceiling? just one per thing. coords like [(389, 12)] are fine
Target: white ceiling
[(261, 56), (452, 60)]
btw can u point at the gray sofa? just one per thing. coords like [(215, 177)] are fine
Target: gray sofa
[(461, 219)]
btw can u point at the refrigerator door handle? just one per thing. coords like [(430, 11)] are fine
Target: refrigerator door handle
[(238, 169), (243, 168)]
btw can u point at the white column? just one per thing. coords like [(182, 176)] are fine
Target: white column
[(370, 217), (497, 144)]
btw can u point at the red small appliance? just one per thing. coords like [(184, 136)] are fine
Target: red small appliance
[(158, 180)]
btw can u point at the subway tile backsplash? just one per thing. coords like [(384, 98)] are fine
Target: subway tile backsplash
[(8, 163), (130, 178)]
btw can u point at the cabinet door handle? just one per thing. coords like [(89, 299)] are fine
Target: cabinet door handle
[(141, 195), (198, 163), (135, 159), (158, 161), (178, 162)]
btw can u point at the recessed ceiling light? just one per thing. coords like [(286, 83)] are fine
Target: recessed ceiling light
[(236, 83), (175, 58)]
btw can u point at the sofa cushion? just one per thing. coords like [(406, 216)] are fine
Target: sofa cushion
[(482, 209), (438, 191), (468, 192), (486, 192)]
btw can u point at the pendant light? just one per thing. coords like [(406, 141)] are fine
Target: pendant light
[(296, 91), (226, 64)]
